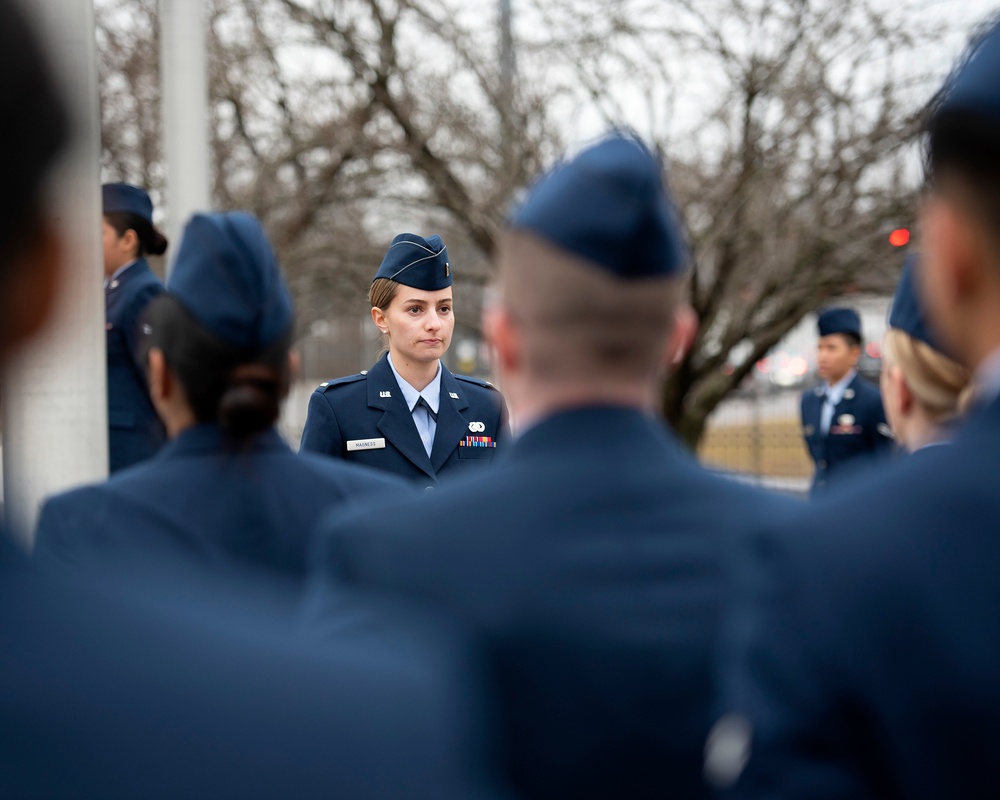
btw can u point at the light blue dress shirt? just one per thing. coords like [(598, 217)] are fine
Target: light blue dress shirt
[(431, 394)]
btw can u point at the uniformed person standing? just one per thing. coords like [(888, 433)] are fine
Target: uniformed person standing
[(864, 656), (925, 392), (409, 414), (135, 431), (226, 488), (842, 418)]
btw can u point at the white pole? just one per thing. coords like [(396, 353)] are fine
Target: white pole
[(184, 79), (55, 429)]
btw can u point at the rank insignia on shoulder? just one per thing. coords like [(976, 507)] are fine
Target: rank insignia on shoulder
[(453, 396), (477, 427), (385, 394)]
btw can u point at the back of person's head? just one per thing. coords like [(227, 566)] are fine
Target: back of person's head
[(35, 130), (963, 131), (590, 267), (225, 325), (939, 384)]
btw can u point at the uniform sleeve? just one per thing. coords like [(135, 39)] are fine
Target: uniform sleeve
[(880, 434), (322, 432), (57, 537), (131, 320), (780, 730), (503, 426)]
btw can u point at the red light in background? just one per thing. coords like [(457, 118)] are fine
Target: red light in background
[(899, 237)]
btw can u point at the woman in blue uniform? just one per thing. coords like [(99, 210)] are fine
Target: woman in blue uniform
[(924, 391), (226, 489), (408, 414), (128, 233)]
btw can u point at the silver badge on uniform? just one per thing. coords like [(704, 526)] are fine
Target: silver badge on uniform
[(885, 430), (477, 427), (385, 394), (846, 420), (453, 396)]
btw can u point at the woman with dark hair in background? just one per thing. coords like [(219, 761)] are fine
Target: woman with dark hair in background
[(128, 233), (226, 488), (409, 414)]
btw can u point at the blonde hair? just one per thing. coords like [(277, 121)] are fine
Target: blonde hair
[(940, 385)]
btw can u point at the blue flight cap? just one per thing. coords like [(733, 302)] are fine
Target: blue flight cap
[(838, 320), (418, 262), (609, 206), (906, 312), (974, 87), (125, 198), (227, 276)]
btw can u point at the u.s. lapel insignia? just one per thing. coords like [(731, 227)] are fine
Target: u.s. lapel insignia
[(885, 430), (385, 394), (453, 396), (477, 427), (849, 394)]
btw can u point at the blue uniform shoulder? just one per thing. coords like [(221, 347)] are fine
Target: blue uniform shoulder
[(477, 382), (347, 379)]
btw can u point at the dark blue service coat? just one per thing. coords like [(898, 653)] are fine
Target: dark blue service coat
[(865, 648), (858, 431), (135, 431), (369, 411), (256, 506), (153, 688), (590, 560)]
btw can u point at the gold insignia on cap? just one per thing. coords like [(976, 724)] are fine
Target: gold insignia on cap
[(447, 269)]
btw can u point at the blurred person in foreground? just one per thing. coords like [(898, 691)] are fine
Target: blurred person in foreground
[(226, 489), (591, 558), (925, 392), (843, 422), (148, 688), (128, 234), (863, 654)]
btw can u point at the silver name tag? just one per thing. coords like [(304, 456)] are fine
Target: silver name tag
[(366, 444)]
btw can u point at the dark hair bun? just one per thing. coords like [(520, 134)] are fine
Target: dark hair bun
[(251, 401), (156, 243)]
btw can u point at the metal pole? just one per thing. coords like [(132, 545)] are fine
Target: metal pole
[(184, 79), (55, 429)]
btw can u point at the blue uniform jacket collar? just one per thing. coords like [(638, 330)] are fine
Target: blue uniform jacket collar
[(397, 425), (576, 429), (208, 439), (137, 269)]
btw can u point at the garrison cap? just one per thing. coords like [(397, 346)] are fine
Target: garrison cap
[(226, 275), (125, 198), (838, 320), (609, 206), (418, 262), (906, 313), (974, 87)]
